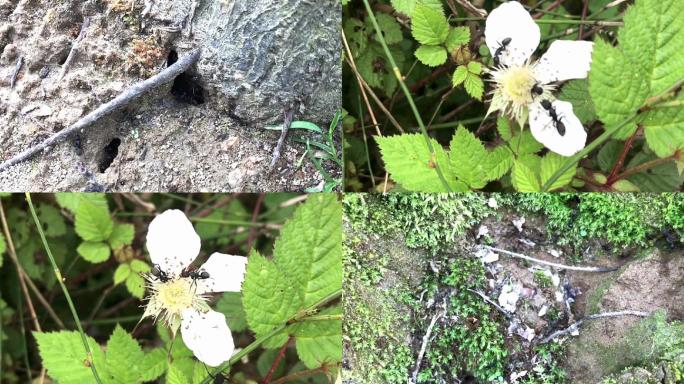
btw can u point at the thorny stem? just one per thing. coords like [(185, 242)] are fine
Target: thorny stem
[(60, 280), (300, 375), (621, 160), (647, 165), (299, 316), (600, 23), (407, 93), (276, 361)]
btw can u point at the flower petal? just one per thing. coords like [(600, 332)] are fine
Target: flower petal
[(564, 60), (511, 20), (545, 132), (172, 241), (208, 336), (226, 273)]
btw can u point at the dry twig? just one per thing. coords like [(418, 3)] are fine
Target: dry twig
[(576, 325), (426, 340), (556, 265), (74, 49), (286, 127), (15, 72), (120, 101)]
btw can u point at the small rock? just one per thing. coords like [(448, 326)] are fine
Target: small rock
[(519, 223), (492, 203), (483, 230), (555, 253), (543, 311), (508, 299)]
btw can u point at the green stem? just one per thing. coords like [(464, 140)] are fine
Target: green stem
[(58, 275), (239, 223), (299, 316), (407, 93), (454, 124)]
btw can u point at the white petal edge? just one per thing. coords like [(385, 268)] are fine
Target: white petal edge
[(564, 60), (226, 273), (545, 132), (172, 241), (208, 336), (511, 20)]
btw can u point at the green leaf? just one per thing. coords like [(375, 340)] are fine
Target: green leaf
[(314, 262), (467, 157), (524, 179), (304, 270), (504, 128), (664, 130), (457, 37), (409, 162), (121, 273), (135, 285), (475, 67), (153, 364), (230, 305), (319, 342), (431, 55), (524, 143), (460, 75), (498, 162), (428, 25), (124, 357), (176, 376), (549, 165), (94, 252), (122, 234), (617, 88), (577, 93), (72, 200), (93, 222), (474, 86), (139, 266), (63, 355), (653, 39), (391, 30), (51, 220), (407, 6)]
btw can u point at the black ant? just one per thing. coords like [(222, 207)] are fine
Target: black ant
[(195, 275), (159, 274), (537, 90), (500, 49), (560, 127)]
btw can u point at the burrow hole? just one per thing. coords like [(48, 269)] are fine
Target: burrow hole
[(186, 86), (110, 152)]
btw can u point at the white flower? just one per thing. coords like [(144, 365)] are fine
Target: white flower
[(180, 300), (512, 36)]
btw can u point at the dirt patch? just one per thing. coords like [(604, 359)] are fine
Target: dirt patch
[(204, 131), (607, 346)]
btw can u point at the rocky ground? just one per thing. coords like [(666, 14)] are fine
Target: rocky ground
[(202, 132)]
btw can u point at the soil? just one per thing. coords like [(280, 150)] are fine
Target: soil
[(203, 132)]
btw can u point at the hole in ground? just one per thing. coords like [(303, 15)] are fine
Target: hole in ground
[(186, 87), (110, 152)]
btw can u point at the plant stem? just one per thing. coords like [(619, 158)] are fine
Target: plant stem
[(276, 361), (60, 280), (621, 160), (299, 316), (644, 166), (601, 23), (299, 375), (407, 93)]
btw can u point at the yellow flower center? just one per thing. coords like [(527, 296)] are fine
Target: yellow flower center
[(176, 295), (516, 85)]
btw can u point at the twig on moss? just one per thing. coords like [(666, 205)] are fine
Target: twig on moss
[(426, 340), (120, 101), (556, 265), (575, 326), (492, 302), (74, 49)]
